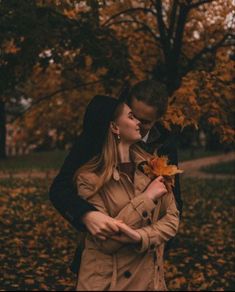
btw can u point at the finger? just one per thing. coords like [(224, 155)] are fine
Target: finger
[(112, 227), (119, 238), (119, 220), (107, 228), (101, 237), (106, 233), (127, 231), (160, 178)]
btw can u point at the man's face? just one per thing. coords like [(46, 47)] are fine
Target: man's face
[(146, 114)]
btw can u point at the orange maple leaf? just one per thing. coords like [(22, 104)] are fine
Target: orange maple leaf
[(157, 166)]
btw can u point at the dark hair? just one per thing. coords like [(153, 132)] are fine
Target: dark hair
[(151, 92)]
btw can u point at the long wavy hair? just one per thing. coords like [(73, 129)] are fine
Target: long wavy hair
[(104, 163)]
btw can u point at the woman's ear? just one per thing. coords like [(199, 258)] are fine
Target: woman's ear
[(114, 128)]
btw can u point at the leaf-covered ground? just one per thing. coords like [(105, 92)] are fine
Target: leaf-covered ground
[(37, 245)]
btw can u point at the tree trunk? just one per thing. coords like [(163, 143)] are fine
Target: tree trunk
[(173, 79), (2, 130)]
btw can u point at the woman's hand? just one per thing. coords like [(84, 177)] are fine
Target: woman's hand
[(156, 189), (127, 235), (100, 225)]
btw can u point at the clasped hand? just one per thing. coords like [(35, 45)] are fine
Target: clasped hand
[(126, 234), (103, 226)]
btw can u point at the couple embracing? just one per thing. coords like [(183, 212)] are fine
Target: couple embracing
[(102, 190)]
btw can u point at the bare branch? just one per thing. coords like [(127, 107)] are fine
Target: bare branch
[(162, 29), (49, 96), (178, 40), (172, 21), (144, 26), (210, 49), (129, 11), (120, 21)]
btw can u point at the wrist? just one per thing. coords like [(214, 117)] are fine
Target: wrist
[(86, 216), (149, 196), (139, 241)]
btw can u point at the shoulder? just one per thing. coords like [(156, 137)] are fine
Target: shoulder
[(160, 132), (88, 177), (86, 183)]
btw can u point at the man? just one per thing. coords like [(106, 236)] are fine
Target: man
[(148, 100)]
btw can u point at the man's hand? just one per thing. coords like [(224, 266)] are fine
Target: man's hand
[(100, 225), (127, 235)]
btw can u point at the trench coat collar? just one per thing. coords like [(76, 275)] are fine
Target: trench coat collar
[(136, 157)]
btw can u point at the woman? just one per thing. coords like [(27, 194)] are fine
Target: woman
[(146, 214)]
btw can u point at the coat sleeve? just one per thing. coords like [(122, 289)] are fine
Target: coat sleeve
[(170, 149), (137, 211), (163, 229), (63, 193)]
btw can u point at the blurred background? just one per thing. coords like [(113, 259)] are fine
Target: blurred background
[(55, 55)]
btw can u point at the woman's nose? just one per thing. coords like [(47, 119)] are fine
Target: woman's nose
[(137, 122)]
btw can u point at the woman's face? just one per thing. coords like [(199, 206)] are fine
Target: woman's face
[(127, 126)]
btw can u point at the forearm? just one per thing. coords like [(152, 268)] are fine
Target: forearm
[(69, 204), (135, 214), (162, 230)]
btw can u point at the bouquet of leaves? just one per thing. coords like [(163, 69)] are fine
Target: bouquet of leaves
[(158, 166)]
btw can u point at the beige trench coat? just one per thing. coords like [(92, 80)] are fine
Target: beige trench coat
[(113, 266)]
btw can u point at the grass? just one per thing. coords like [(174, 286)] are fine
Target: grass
[(221, 168), (53, 159), (36, 160), (37, 245), (189, 154)]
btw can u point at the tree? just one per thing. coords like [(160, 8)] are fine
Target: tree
[(181, 44), (50, 34), (103, 43)]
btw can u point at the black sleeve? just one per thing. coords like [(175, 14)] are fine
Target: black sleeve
[(63, 193), (169, 148)]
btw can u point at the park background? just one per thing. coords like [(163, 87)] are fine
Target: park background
[(55, 55)]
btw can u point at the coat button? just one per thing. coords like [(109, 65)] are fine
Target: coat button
[(145, 213), (149, 222), (152, 246), (127, 274), (154, 257)]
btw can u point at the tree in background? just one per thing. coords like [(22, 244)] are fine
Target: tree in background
[(189, 46), (66, 51), (46, 53)]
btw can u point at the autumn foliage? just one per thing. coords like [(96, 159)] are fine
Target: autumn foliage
[(67, 51), (37, 244), (158, 166)]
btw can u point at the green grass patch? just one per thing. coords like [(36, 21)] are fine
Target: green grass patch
[(54, 159), (221, 168), (190, 154), (36, 160)]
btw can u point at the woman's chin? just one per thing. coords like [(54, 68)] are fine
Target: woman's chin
[(138, 138), (135, 139)]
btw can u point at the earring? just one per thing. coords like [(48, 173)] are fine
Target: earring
[(118, 138)]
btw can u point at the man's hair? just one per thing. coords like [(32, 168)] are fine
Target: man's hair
[(151, 92)]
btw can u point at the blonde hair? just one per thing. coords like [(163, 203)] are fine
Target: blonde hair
[(102, 164)]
